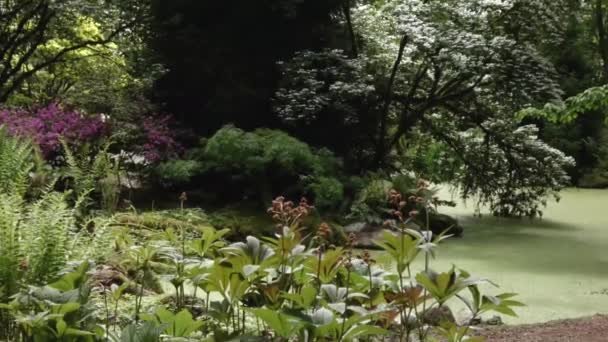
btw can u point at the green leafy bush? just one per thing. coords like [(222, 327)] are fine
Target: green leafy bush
[(328, 192), (177, 171), (258, 164), (231, 149), (59, 311), (253, 153), (370, 200)]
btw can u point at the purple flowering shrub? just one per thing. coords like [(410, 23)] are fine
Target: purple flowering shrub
[(151, 136), (46, 125), (159, 139)]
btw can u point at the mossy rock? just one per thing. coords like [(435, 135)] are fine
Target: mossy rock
[(439, 223), (436, 316)]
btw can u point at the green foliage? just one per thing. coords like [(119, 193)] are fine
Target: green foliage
[(93, 172), (60, 311), (190, 219), (37, 235), (370, 202), (575, 126), (52, 45), (296, 284), (177, 172), (34, 240), (260, 164), (299, 287), (232, 149), (48, 227), (176, 325), (148, 332), (253, 153), (16, 162), (591, 100), (328, 192)]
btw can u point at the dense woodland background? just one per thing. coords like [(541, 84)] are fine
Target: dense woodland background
[(365, 90)]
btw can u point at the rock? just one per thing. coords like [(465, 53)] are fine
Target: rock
[(435, 316), (355, 227), (367, 233), (365, 239), (494, 320), (440, 223)]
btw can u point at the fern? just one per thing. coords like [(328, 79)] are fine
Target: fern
[(33, 239), (79, 170), (93, 175), (48, 227), (93, 243), (16, 162), (11, 255)]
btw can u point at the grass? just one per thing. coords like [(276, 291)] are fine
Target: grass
[(558, 265)]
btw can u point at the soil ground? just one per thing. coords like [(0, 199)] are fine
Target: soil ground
[(589, 329)]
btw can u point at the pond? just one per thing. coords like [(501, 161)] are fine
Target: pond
[(558, 265)]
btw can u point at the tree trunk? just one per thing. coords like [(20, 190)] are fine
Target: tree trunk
[(351, 31), (382, 148)]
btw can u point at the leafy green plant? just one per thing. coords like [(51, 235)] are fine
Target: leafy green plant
[(16, 162), (295, 285), (176, 325), (177, 172), (328, 192), (148, 332), (93, 172), (34, 240), (60, 311)]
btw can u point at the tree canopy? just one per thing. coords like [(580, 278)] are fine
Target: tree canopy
[(490, 96)]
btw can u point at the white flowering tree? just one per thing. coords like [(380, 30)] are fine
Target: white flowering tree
[(456, 70)]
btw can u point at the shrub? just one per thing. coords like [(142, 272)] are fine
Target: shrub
[(250, 153), (263, 162), (47, 125), (231, 149), (177, 171), (159, 139), (328, 192)]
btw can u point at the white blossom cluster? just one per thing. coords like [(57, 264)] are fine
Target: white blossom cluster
[(319, 80), (466, 41), (509, 168), (467, 67)]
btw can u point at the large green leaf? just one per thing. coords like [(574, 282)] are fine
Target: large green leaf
[(282, 324)]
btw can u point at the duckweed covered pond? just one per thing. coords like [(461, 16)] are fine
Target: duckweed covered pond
[(558, 265)]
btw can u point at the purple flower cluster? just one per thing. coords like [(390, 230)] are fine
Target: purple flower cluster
[(46, 125), (159, 139)]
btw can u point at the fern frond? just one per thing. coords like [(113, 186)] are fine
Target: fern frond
[(11, 255), (16, 162), (49, 225)]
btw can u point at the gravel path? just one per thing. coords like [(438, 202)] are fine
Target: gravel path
[(590, 329)]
